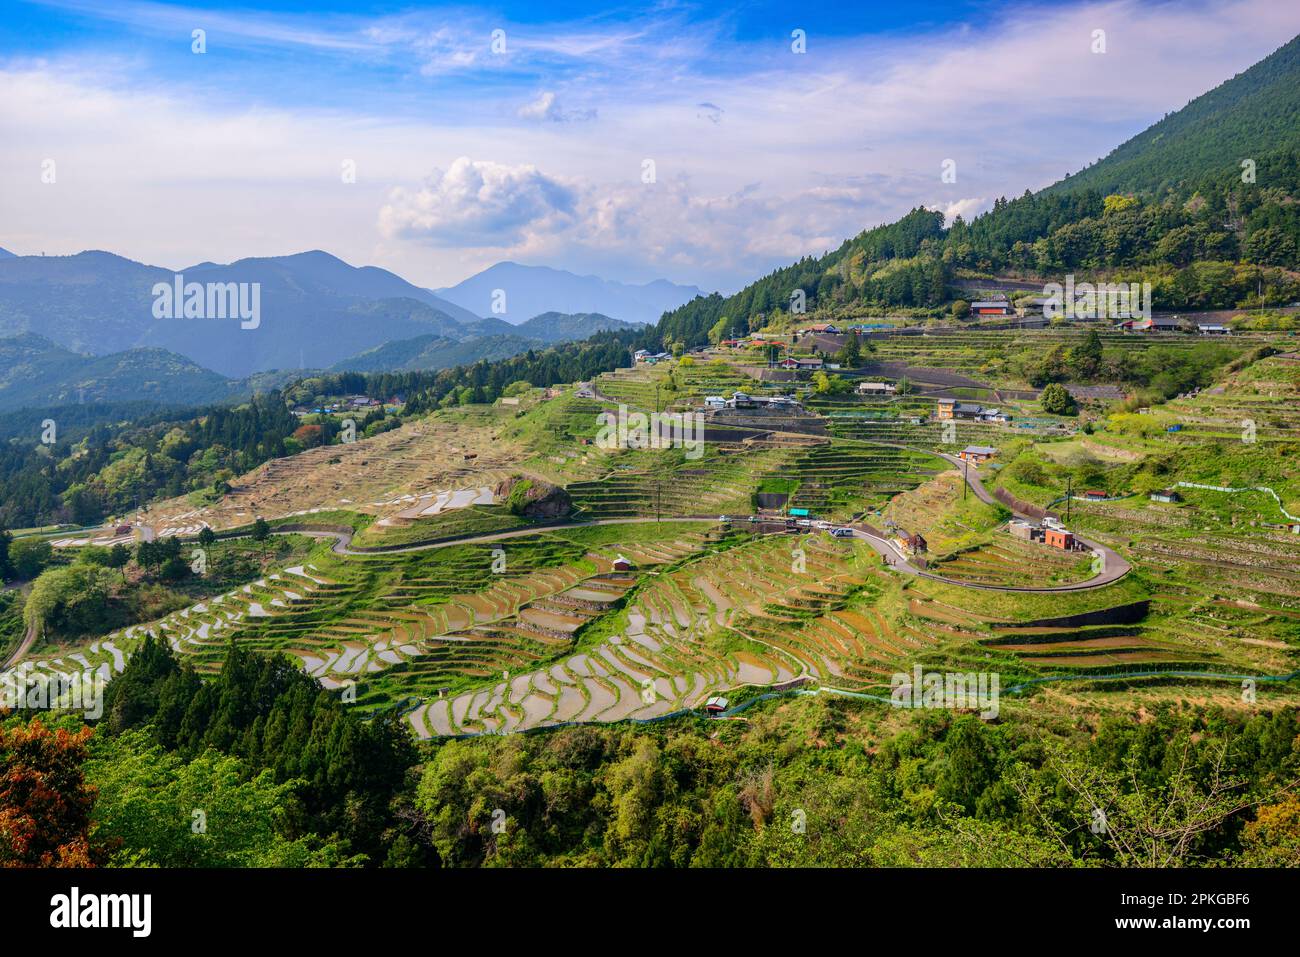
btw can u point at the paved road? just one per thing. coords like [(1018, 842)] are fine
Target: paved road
[(29, 639), (343, 540)]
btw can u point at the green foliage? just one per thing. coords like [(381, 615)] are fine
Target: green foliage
[(29, 556), (268, 714), (72, 601), (940, 790), (1055, 400), (156, 809)]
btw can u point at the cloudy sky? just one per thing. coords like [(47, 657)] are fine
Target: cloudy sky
[(704, 143)]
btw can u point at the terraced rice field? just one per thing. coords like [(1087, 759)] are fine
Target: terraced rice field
[(1010, 562), (723, 481), (839, 479), (1265, 394), (749, 615)]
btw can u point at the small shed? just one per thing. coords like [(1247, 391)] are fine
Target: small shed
[(1058, 538), (715, 705), (1166, 495), (621, 564)]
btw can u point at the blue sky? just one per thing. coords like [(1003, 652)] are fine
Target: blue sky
[(464, 155)]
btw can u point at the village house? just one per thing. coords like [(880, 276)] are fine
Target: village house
[(994, 415), (912, 542), (1032, 306), (946, 409), (1213, 329), (877, 388), (1155, 324), (977, 453), (802, 364)]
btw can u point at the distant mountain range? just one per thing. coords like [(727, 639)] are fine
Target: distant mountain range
[(442, 352), (531, 290), (38, 373), (6, 254), (314, 311)]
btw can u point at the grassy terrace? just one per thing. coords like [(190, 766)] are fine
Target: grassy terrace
[(721, 480)]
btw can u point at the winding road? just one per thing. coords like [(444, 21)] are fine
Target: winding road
[(1113, 565)]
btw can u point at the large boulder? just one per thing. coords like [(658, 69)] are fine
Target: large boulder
[(533, 499)]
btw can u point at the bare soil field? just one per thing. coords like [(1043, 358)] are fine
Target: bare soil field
[(370, 475)]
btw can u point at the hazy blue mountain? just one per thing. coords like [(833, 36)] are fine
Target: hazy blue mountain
[(435, 352), (6, 254), (36, 372), (531, 290), (561, 326), (315, 309)]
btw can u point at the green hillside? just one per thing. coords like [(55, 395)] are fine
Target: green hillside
[(36, 372), (1171, 206), (1253, 114)]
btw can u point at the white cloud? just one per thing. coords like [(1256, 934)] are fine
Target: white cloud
[(547, 107), (813, 149), (967, 209), (477, 203)]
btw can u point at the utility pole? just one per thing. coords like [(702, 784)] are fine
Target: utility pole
[(965, 477), (1069, 496)]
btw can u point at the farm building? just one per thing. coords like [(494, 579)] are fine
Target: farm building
[(1214, 329), (1024, 530), (621, 564), (1166, 495), (876, 388), (801, 365), (977, 453), (991, 307), (715, 705), (994, 415), (1094, 495)]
